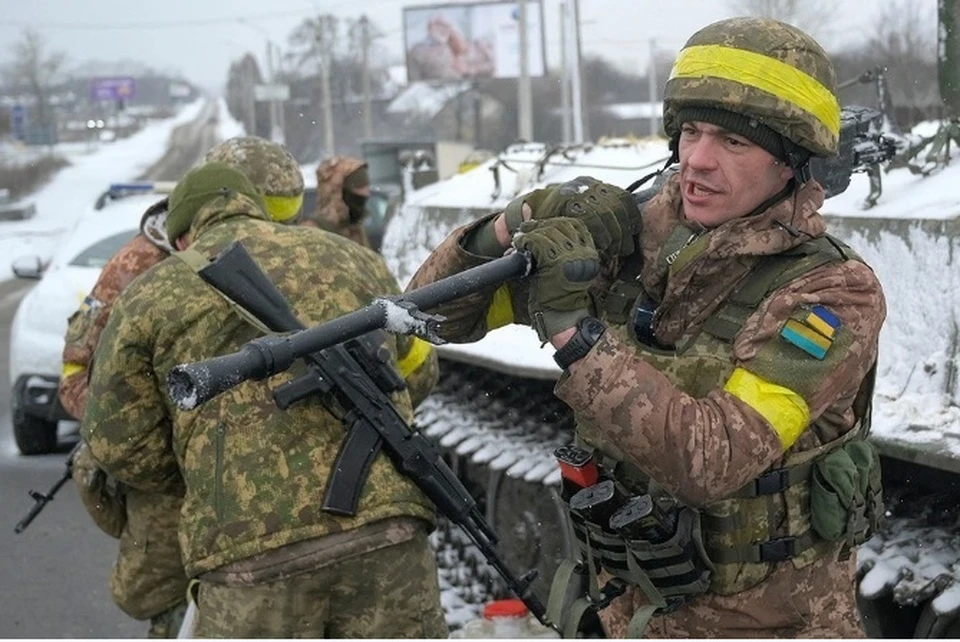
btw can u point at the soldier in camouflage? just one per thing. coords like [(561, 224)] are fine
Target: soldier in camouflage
[(153, 585), (269, 561), (343, 187), (717, 350)]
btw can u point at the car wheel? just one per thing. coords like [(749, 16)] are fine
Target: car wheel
[(34, 436)]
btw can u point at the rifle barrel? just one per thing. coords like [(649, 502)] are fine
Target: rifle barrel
[(191, 384)]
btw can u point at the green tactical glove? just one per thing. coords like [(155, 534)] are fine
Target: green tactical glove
[(565, 264), (608, 212)]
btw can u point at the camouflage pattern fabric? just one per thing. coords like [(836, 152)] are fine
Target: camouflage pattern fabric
[(103, 500), (148, 577), (270, 167), (86, 324), (142, 584), (332, 213), (254, 475), (389, 593), (703, 449), (773, 39), (817, 601)]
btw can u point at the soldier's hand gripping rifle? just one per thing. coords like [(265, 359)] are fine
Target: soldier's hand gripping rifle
[(342, 363), (40, 500)]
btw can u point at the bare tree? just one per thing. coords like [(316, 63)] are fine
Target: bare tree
[(904, 41), (34, 70), (813, 16)]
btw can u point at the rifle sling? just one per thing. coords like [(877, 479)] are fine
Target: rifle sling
[(357, 450)]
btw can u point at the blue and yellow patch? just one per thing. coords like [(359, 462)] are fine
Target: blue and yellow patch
[(814, 334)]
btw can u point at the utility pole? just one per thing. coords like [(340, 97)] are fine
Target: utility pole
[(367, 114), (652, 80), (324, 49), (565, 98), (250, 96), (524, 103), (276, 134), (579, 127)]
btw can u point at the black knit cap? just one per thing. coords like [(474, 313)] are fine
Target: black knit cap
[(751, 129)]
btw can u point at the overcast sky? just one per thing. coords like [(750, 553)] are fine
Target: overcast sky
[(199, 38)]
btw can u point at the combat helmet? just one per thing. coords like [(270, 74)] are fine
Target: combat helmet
[(270, 167), (772, 73)]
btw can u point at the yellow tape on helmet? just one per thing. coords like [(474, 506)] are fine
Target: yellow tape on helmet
[(283, 208), (764, 73), (785, 411)]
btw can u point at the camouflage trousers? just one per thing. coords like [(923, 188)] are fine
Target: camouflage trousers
[(392, 592), (148, 576), (167, 624)]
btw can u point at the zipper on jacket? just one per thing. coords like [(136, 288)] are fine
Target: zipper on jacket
[(218, 488)]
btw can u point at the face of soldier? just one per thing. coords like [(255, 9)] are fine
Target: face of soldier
[(723, 175)]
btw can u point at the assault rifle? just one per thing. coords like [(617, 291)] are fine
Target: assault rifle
[(344, 362), (40, 500)]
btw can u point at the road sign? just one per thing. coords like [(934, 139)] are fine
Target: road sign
[(41, 134), (116, 88), (18, 121), (271, 92)]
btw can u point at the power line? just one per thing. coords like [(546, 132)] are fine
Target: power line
[(88, 26)]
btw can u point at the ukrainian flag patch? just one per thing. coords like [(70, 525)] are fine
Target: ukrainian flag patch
[(823, 321), (814, 334)]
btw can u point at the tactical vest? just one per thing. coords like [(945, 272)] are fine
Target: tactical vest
[(740, 535)]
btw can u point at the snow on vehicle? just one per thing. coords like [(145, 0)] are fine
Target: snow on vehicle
[(39, 325), (496, 417)]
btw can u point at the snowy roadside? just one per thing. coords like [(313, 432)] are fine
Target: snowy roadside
[(75, 188)]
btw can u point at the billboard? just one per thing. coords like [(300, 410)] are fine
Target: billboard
[(119, 88), (467, 41)]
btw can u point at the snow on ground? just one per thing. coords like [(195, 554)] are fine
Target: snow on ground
[(75, 188), (227, 125)]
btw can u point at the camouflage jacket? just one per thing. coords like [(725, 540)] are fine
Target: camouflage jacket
[(332, 213), (86, 324), (704, 449), (254, 475)]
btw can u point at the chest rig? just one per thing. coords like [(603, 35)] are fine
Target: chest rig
[(766, 522)]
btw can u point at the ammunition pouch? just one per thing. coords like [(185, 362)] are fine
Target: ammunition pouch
[(846, 495), (668, 571)]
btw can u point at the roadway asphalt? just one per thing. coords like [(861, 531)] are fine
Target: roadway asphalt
[(54, 577)]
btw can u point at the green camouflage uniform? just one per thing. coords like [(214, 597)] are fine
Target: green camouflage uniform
[(254, 476), (147, 580)]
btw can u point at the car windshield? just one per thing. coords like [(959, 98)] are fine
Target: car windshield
[(97, 255)]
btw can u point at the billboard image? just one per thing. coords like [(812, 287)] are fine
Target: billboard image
[(467, 41)]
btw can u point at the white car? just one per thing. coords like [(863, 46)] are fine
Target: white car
[(40, 323)]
